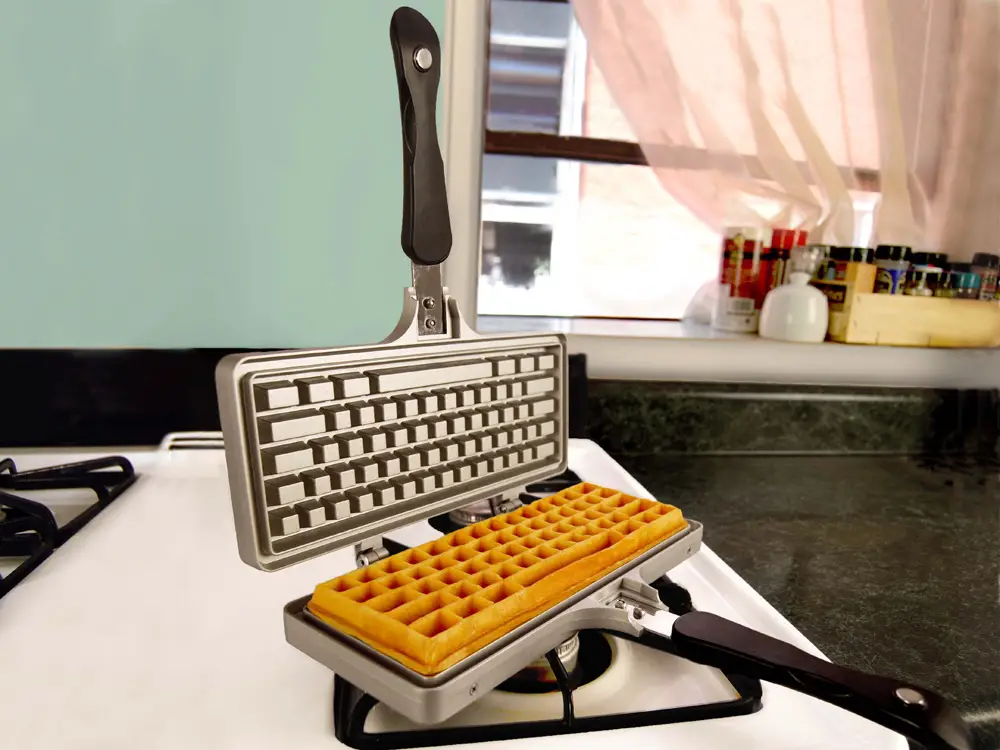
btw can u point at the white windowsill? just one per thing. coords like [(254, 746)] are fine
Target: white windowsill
[(660, 329), (677, 351)]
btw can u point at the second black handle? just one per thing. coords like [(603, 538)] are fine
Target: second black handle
[(426, 234), (915, 712)]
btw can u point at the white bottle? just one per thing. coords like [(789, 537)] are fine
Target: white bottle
[(797, 311)]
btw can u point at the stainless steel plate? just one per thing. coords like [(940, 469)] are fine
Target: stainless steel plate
[(326, 448)]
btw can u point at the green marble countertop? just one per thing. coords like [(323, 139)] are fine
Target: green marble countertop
[(887, 564)]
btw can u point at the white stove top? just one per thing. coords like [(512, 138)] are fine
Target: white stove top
[(146, 628)]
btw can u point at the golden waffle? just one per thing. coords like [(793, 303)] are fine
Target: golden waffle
[(431, 606)]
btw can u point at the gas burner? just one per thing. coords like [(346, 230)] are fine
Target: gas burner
[(495, 506), (552, 485), (483, 510), (29, 530), (588, 654), (585, 657)]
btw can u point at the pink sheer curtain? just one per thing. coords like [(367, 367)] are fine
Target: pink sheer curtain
[(783, 112), (965, 194)]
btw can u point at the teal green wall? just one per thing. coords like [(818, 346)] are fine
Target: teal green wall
[(182, 173)]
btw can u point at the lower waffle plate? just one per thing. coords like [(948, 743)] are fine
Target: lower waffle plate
[(432, 606), (433, 699)]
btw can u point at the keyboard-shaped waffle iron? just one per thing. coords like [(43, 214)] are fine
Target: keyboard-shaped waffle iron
[(431, 606), (329, 448)]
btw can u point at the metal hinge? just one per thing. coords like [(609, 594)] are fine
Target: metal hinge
[(506, 502), (636, 597), (369, 551), (431, 317)]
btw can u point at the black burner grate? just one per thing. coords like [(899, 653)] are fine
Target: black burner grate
[(352, 706), (29, 530)]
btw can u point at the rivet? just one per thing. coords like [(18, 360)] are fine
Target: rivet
[(911, 697), (423, 58)]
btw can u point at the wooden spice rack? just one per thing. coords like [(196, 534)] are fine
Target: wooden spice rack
[(903, 320)]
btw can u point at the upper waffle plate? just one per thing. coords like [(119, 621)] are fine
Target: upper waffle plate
[(327, 448)]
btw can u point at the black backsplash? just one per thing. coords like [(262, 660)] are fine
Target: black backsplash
[(106, 397), (80, 397), (136, 396)]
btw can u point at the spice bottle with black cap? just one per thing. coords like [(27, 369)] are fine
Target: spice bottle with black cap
[(927, 259), (987, 266), (961, 282), (893, 262), (926, 273)]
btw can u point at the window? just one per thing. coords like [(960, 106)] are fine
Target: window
[(553, 201), (536, 79), (574, 223)]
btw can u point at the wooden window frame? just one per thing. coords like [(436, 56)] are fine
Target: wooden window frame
[(607, 151)]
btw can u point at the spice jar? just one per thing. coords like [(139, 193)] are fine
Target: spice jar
[(837, 265), (742, 268), (987, 266), (893, 262), (931, 260), (782, 242), (862, 255), (922, 281), (961, 282), (834, 268)]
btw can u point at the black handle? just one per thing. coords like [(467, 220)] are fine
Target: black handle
[(426, 235), (915, 712)]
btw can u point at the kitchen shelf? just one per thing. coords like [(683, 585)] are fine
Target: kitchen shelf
[(681, 351)]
